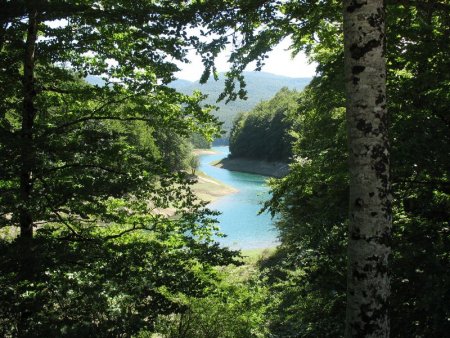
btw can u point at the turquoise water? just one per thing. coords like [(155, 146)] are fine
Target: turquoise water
[(245, 229)]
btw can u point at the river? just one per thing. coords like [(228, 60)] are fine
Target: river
[(245, 229)]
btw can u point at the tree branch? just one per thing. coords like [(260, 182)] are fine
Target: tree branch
[(435, 5), (108, 103), (62, 220), (56, 90), (82, 166), (60, 128), (134, 228), (429, 182)]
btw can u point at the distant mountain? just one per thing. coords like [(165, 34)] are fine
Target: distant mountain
[(260, 87)]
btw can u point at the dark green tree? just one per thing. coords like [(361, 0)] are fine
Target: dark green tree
[(417, 69), (311, 203), (199, 142), (262, 133), (46, 104), (419, 140), (109, 230)]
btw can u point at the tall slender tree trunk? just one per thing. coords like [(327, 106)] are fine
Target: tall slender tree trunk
[(368, 280), (27, 260), (28, 115)]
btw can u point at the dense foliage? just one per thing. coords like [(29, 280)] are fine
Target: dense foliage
[(312, 200), (263, 132), (308, 274), (104, 288), (238, 308), (100, 232), (199, 142), (227, 112), (122, 247)]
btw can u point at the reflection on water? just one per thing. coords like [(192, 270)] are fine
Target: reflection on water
[(245, 229)]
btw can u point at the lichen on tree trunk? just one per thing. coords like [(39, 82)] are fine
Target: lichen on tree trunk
[(370, 202)]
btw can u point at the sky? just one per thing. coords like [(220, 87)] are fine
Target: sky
[(279, 62)]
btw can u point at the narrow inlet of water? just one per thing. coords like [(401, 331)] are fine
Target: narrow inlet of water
[(239, 218)]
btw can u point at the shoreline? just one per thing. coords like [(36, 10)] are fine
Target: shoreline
[(259, 167), (198, 152), (209, 189), (206, 189)]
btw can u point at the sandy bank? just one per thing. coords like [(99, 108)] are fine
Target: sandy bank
[(273, 169), (209, 189), (204, 152)]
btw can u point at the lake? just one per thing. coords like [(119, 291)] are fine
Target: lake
[(245, 229)]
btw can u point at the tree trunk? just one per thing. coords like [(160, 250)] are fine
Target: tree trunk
[(368, 280), (26, 260), (28, 115)]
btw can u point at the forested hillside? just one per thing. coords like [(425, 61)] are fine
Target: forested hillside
[(264, 132), (260, 86)]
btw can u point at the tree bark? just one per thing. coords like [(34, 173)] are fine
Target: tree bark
[(368, 280), (26, 260), (28, 115)]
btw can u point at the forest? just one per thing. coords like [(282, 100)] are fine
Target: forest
[(268, 121), (226, 112), (88, 170)]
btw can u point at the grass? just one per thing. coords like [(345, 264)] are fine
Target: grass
[(250, 260), (253, 256)]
